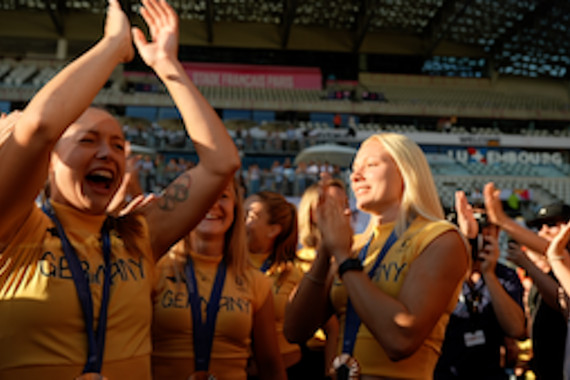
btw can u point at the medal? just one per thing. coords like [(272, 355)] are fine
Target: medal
[(346, 367), (202, 375), (91, 376)]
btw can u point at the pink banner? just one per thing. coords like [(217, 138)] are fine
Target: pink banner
[(253, 76)]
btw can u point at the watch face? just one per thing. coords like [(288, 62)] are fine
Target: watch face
[(346, 367), (91, 376)]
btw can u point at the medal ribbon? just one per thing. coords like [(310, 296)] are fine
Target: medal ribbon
[(204, 331), (266, 264), (352, 321), (95, 340)]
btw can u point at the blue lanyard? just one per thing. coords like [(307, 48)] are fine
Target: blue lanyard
[(203, 332), (266, 264), (352, 320), (95, 340)]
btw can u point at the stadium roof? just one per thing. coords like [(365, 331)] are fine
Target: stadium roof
[(515, 37)]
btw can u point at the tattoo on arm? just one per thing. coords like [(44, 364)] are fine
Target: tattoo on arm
[(173, 77), (176, 192)]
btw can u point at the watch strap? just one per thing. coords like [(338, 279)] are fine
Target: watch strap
[(348, 265)]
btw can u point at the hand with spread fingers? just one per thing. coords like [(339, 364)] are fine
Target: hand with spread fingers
[(162, 22)]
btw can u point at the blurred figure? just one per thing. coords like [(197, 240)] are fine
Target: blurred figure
[(489, 309), (557, 254), (271, 225), (288, 178), (300, 179), (253, 179), (547, 301), (319, 351), (209, 270)]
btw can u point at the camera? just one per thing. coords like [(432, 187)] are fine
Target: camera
[(482, 220), (478, 242)]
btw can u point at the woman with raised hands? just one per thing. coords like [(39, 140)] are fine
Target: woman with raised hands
[(75, 283), (551, 242), (396, 286)]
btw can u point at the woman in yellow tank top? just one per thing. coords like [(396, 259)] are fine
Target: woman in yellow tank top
[(271, 225), (397, 299), (233, 316)]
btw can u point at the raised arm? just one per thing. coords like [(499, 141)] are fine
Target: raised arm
[(26, 151), (313, 291), (312, 294), (545, 283), (557, 255), (186, 200), (497, 216), (508, 311)]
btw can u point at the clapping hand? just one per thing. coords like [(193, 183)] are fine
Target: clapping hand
[(515, 254), (162, 22), (465, 217), (7, 124), (493, 204), (332, 222), (117, 27), (557, 247)]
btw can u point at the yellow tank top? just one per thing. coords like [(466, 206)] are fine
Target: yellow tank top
[(389, 277), (285, 278), (173, 350), (42, 330)]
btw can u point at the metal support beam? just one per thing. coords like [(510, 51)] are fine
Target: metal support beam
[(127, 6), (363, 22), (210, 21), (56, 15), (290, 8), (442, 22)]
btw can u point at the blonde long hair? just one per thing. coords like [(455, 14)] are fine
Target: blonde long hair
[(420, 195), (309, 234)]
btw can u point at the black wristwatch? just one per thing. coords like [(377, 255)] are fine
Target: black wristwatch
[(349, 264)]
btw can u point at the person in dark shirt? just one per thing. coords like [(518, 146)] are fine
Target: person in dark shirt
[(489, 308)]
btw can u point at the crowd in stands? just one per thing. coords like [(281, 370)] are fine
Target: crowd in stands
[(293, 137), (156, 172)]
